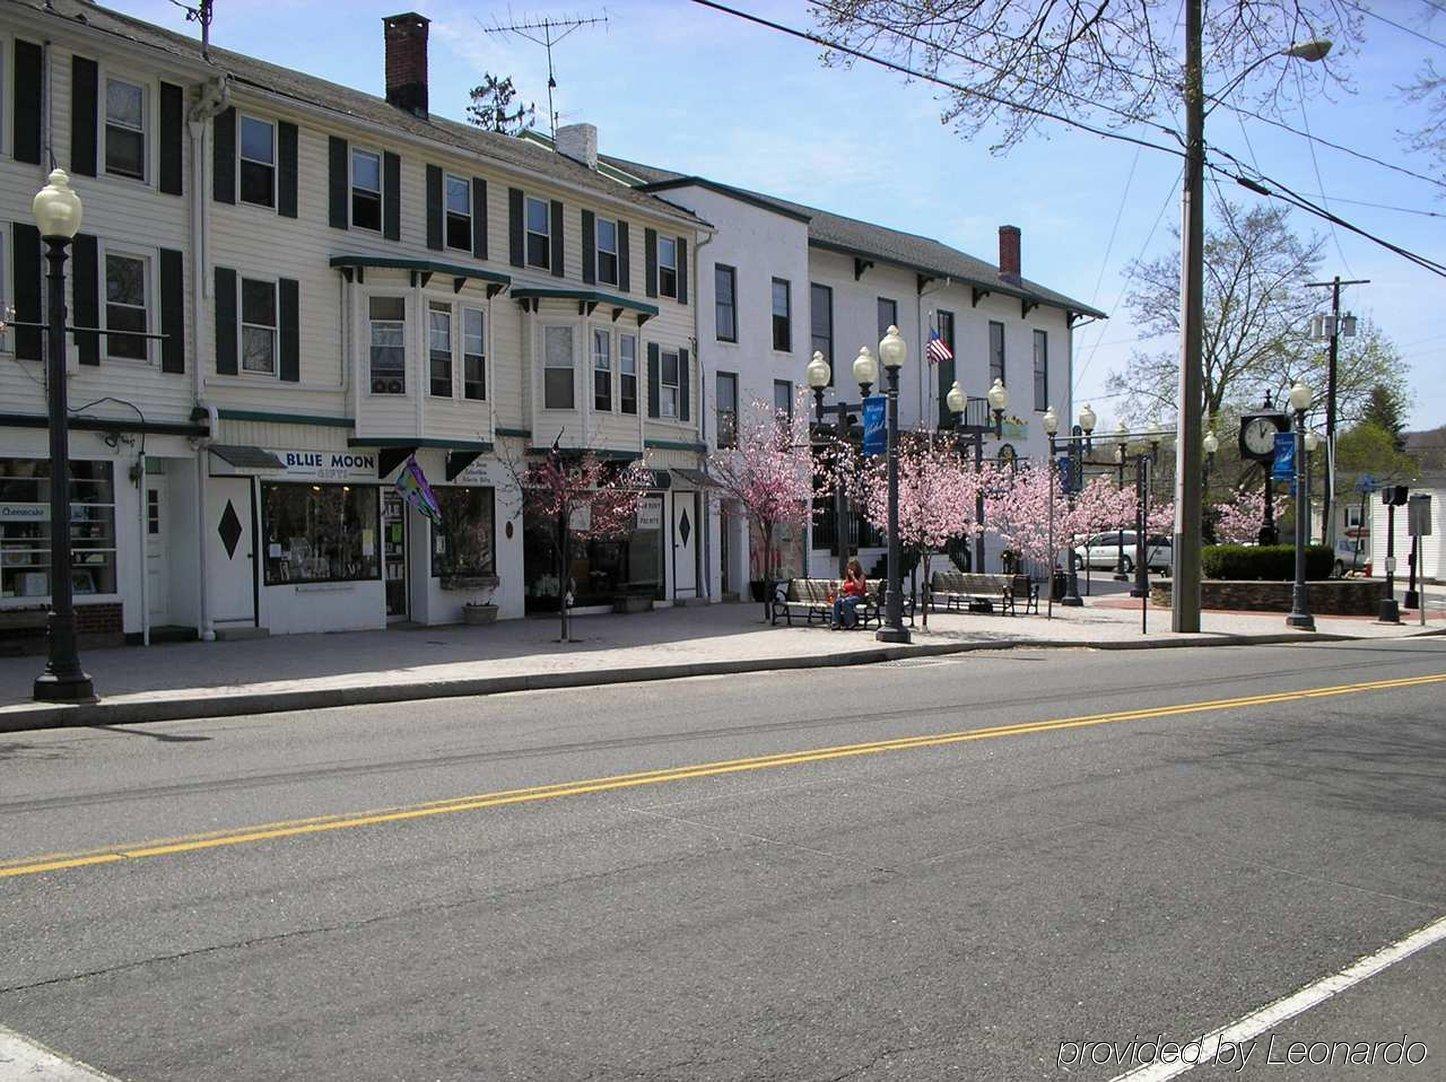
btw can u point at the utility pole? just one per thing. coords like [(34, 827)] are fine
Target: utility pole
[(1328, 531), (1185, 612)]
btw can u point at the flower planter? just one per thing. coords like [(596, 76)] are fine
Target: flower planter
[(632, 603), (479, 614)]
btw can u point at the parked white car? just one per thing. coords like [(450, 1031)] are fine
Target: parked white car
[(1101, 551)]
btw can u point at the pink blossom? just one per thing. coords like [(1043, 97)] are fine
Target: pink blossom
[(769, 472)]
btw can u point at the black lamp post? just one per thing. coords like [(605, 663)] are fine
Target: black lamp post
[(57, 211), (818, 374), (1121, 441), (960, 406), (1081, 443), (1300, 617), (893, 352)]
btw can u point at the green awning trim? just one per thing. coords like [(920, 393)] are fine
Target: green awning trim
[(356, 265), (587, 300)]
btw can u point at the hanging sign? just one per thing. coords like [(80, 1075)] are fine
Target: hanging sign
[(876, 435), (328, 465), (1283, 468), (579, 520), (650, 513)]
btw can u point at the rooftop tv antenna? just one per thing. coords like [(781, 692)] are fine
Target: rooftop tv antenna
[(546, 32), (200, 12)]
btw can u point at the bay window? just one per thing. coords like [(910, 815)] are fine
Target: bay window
[(602, 371), (474, 355), (557, 373), (628, 373), (388, 326), (439, 348)]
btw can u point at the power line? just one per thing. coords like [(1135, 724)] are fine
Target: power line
[(1388, 206), (1392, 22)]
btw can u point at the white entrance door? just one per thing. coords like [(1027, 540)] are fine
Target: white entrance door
[(231, 558), (685, 545), (158, 601)]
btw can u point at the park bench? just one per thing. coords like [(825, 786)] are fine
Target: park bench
[(809, 599), (974, 591)]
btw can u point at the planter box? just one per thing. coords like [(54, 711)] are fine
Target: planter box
[(479, 614), (633, 603), (1327, 597)]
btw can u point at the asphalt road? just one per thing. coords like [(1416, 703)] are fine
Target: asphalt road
[(954, 908)]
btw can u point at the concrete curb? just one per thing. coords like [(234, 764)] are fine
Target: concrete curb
[(177, 708)]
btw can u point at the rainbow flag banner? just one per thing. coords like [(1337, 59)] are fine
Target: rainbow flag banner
[(412, 484)]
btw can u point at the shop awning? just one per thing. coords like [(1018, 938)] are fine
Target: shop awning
[(587, 301), (246, 458), (693, 478), (355, 266)]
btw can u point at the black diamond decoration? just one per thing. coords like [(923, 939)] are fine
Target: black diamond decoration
[(685, 528), (230, 530)]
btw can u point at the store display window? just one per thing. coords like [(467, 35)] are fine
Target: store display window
[(25, 528), (320, 533)]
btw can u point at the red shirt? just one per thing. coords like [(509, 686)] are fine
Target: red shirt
[(856, 587)]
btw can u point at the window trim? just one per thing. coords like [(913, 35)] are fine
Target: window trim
[(598, 251), (484, 313), (448, 212), (275, 283), (663, 385), (544, 367), (381, 188), (718, 411), (813, 346), (787, 316), (879, 302), (367, 321), (528, 232), (785, 384), (595, 335), (731, 272), (1003, 353), (672, 268), (273, 165), (150, 260), (624, 336), (148, 123), (1041, 393), (442, 306)]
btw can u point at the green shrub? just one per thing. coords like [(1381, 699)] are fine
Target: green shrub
[(1264, 562)]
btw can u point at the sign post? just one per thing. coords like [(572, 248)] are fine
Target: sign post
[(1418, 525)]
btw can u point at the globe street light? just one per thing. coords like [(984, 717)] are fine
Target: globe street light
[(1300, 617), (958, 403), (817, 374), (1122, 450), (893, 352), (58, 212), (998, 396)]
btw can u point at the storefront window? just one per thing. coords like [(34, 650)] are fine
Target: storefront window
[(25, 528), (464, 543), (320, 533), (601, 571)]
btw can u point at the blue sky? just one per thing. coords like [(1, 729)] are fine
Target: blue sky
[(681, 86)]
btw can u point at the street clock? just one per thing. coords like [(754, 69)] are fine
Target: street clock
[(1258, 432)]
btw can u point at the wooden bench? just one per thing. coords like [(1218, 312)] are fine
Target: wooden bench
[(974, 591), (810, 600)]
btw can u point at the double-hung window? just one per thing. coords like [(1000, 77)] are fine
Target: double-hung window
[(539, 233), (888, 316), (459, 213), (606, 236), (388, 319), (602, 371), (557, 371), (258, 162), (725, 302), (126, 295), (439, 348), (783, 398), (821, 320), (628, 373), (1041, 370), (668, 383), (996, 352), (727, 400), (366, 190), (667, 267), (474, 355), (782, 316), (258, 326), (125, 129)]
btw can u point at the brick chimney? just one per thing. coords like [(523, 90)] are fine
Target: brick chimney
[(578, 142), (1009, 251), (406, 42)]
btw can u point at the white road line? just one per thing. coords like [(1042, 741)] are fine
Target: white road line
[(21, 1058), (1272, 1015)]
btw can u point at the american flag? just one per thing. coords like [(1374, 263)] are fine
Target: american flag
[(938, 350)]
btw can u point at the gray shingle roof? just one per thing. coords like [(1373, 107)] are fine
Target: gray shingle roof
[(855, 237), (347, 102)]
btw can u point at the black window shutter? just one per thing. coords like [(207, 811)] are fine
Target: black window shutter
[(434, 207), (517, 250), (391, 196), (625, 259), (85, 289), (288, 304), (479, 218), (29, 64), (650, 257), (173, 312), (683, 384), (223, 158), (225, 321), (337, 214), (286, 169), (589, 247), (683, 272), (654, 383), (557, 230), (171, 136), (84, 87), (25, 274)]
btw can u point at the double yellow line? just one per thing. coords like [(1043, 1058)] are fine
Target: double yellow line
[(319, 825)]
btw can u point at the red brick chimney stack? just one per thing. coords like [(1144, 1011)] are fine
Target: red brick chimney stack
[(1009, 251), (406, 42)]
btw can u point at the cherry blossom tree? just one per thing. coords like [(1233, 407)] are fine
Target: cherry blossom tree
[(1016, 507), (770, 472), (1238, 519), (937, 490)]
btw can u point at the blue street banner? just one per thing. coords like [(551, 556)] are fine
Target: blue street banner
[(1284, 466), (1367, 484), (876, 434), (1066, 475)]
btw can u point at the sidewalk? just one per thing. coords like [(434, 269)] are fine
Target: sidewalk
[(296, 672)]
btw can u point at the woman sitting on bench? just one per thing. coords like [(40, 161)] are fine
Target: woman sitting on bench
[(852, 594)]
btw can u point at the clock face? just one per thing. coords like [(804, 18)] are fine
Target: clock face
[(1258, 435)]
